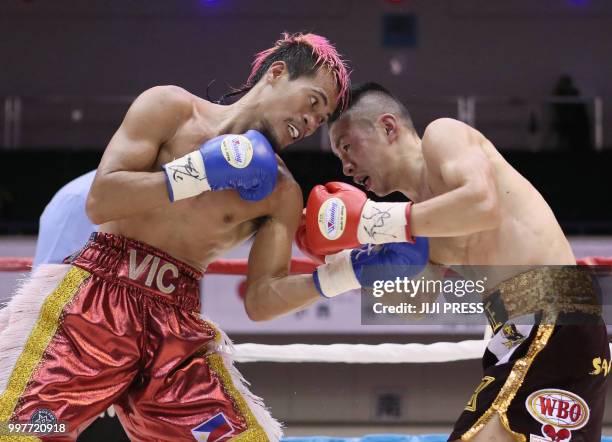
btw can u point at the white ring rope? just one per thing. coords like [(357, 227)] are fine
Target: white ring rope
[(358, 353), (362, 353)]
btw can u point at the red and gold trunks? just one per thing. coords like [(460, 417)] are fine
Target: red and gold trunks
[(120, 325)]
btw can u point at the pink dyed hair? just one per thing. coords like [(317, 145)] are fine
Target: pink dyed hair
[(324, 53)]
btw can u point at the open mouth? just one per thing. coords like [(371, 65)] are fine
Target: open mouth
[(294, 132), (363, 181)]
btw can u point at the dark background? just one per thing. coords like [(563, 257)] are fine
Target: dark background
[(577, 187), (75, 66)]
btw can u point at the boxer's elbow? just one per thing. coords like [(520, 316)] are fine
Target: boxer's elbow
[(255, 313), (93, 208), (254, 304), (99, 206)]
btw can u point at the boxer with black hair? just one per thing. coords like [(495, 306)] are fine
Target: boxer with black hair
[(542, 381)]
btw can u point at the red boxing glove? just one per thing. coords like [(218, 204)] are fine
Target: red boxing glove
[(332, 217), (340, 216), (301, 240)]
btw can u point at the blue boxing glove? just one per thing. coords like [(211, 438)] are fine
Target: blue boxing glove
[(246, 163), (350, 270)]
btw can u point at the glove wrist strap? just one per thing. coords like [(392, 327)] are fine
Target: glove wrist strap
[(186, 176), (382, 223), (336, 277)]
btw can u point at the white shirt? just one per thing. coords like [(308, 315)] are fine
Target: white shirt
[(64, 225)]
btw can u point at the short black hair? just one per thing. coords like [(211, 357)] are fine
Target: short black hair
[(359, 91)]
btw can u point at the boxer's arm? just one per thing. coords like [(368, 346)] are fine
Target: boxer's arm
[(271, 291), (124, 184), (452, 149)]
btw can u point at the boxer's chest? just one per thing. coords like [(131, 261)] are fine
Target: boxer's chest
[(188, 137), (207, 225)]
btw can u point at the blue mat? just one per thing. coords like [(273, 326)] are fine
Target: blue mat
[(373, 438), (384, 438)]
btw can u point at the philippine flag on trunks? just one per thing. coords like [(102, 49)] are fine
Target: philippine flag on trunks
[(215, 429)]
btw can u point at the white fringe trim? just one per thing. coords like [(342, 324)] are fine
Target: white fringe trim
[(272, 427), (4, 316), (22, 312)]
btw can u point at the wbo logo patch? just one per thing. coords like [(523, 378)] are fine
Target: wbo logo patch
[(559, 411), (332, 218), (237, 151), (215, 429), (558, 408)]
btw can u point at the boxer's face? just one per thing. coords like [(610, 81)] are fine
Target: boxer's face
[(293, 109), (364, 151)]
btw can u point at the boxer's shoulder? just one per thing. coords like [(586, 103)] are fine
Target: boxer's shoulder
[(167, 95), (158, 111), (288, 192), (285, 202), (450, 146), (448, 133), (285, 177), (443, 124)]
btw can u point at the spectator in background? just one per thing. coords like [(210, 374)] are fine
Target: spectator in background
[(570, 120), (64, 225)]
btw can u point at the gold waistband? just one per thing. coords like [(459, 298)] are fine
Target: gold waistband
[(549, 289)]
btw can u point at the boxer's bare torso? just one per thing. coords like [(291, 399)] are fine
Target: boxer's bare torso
[(526, 233), (199, 229), (129, 195), (522, 233)]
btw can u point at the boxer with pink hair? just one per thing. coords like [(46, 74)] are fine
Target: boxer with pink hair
[(182, 181)]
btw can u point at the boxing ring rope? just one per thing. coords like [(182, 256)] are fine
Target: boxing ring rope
[(218, 267), (362, 353), (333, 353), (240, 266)]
